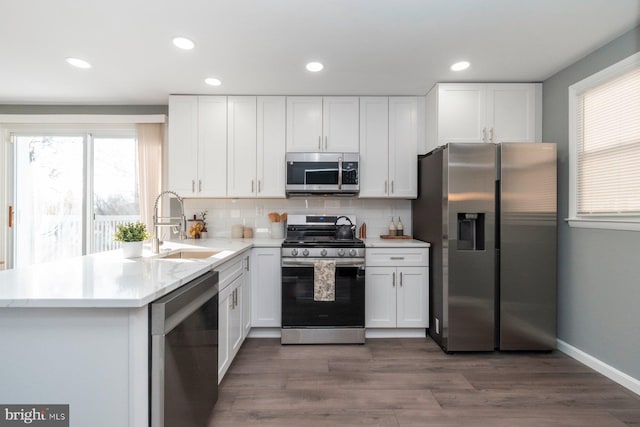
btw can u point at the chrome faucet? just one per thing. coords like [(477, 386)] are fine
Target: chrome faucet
[(158, 221)]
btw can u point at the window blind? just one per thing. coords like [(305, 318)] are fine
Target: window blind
[(608, 148)]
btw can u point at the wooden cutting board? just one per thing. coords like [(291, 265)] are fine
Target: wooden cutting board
[(386, 236)]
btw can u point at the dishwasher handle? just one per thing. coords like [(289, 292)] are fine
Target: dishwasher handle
[(170, 310)]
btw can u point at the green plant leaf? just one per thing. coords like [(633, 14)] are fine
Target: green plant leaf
[(131, 232)]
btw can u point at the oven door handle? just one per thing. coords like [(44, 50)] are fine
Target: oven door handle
[(351, 263)]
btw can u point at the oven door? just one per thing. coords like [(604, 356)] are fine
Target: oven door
[(299, 310)]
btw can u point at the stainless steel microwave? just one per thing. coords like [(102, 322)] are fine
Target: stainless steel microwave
[(322, 173)]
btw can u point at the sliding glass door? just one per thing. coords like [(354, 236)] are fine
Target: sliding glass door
[(70, 191), (115, 188), (49, 188)]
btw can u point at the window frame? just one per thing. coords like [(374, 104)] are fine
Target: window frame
[(88, 136), (629, 222), (10, 123)]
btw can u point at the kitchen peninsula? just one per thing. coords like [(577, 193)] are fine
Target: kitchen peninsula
[(76, 331)]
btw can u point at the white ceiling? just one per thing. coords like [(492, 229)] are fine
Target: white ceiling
[(261, 46)]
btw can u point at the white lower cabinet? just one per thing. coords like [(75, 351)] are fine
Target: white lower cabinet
[(397, 288), (249, 297), (266, 283), (246, 296), (230, 311)]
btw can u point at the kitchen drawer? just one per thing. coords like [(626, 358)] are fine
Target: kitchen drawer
[(229, 271), (394, 257)]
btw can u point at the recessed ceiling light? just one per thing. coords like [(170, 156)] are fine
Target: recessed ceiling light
[(459, 66), (77, 62), (183, 43), (212, 81), (315, 66)]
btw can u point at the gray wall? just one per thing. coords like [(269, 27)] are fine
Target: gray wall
[(84, 109), (598, 270)]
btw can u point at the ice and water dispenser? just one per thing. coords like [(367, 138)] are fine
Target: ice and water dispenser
[(470, 231)]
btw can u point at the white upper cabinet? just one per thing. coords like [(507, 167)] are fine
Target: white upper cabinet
[(304, 123), (374, 146), (514, 112), (256, 146), (403, 147), (317, 123), (340, 124), (197, 146), (271, 146), (242, 151), (388, 147), (183, 144), (479, 112)]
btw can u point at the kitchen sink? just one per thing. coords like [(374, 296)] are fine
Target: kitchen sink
[(191, 254)]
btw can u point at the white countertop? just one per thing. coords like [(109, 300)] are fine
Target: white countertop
[(376, 242), (107, 280)]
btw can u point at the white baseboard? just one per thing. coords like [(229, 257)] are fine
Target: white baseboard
[(598, 365), (264, 333), (369, 333), (395, 333)]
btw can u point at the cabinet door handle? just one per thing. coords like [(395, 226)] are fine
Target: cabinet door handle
[(247, 258), (252, 186), (400, 279), (193, 185), (392, 187), (396, 257), (325, 143), (394, 280), (319, 143), (10, 216), (484, 134), (491, 133), (200, 185), (259, 190)]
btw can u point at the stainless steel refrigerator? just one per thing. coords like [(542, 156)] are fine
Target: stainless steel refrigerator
[(489, 212)]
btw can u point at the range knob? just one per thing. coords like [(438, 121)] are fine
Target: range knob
[(305, 252), (352, 252), (294, 252), (323, 252), (340, 252)]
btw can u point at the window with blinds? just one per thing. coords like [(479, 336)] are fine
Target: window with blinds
[(606, 176)]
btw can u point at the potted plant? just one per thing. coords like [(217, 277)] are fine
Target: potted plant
[(203, 232), (131, 234)]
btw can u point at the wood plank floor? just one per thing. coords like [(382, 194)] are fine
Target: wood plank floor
[(411, 382)]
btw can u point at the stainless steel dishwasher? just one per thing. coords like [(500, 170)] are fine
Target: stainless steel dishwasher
[(184, 354)]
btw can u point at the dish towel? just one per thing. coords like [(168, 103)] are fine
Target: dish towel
[(324, 280)]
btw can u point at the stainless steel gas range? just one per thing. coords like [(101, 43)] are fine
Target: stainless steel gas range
[(311, 242)]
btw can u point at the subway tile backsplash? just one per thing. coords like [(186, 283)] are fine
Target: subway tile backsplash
[(223, 213)]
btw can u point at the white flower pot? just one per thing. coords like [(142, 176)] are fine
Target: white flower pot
[(132, 249)]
